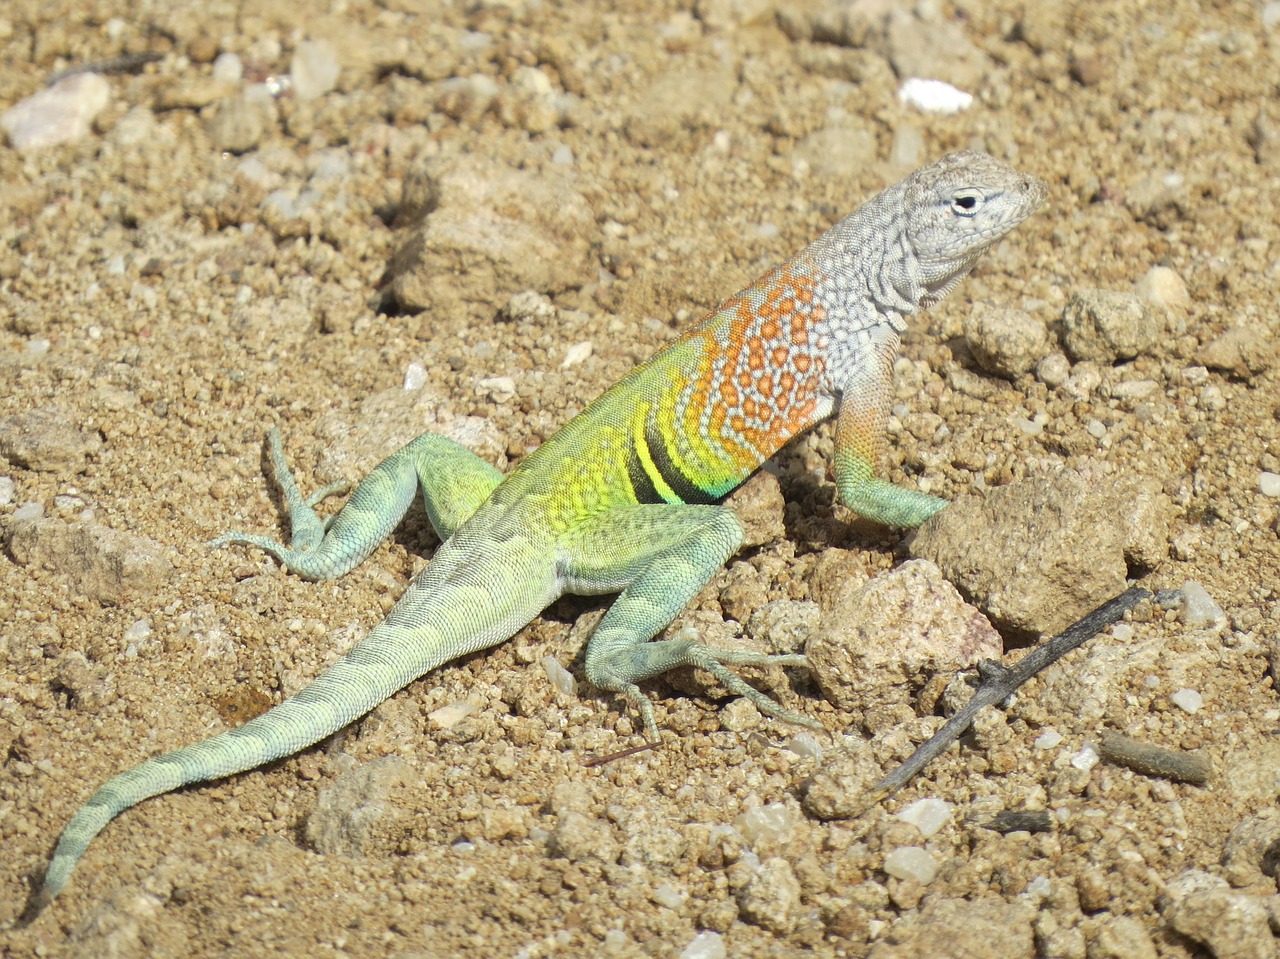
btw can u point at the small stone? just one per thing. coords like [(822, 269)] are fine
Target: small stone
[(45, 441), (1049, 739), (62, 113), (561, 679), (1251, 853), (1005, 342), (1243, 352), (1086, 758), (705, 945), (774, 823), (1188, 700), (911, 863), (102, 563), (1269, 484), (1231, 925), (927, 815), (578, 838), (1163, 289), (933, 96), (1121, 937), (771, 897), (1108, 325), (353, 816), (314, 69), (450, 715), (1053, 370), (238, 124), (1199, 611)]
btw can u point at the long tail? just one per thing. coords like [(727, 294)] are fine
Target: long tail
[(428, 627)]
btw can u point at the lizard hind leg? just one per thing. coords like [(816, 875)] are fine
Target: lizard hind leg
[(454, 482), (660, 557)]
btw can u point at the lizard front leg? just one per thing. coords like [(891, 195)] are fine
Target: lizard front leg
[(660, 557), (860, 427), (454, 482)]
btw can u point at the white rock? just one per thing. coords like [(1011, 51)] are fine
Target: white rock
[(933, 96), (446, 717), (1198, 607), (314, 69), (1187, 700), (415, 376), (1048, 739), (1269, 484), (8, 488), (927, 815), (60, 114), (772, 822), (705, 945), (911, 862), (1086, 758), (560, 677)]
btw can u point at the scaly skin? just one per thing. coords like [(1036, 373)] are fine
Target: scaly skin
[(626, 497)]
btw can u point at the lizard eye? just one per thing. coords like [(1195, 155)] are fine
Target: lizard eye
[(966, 202)]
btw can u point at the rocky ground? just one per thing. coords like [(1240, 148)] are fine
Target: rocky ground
[(360, 220)]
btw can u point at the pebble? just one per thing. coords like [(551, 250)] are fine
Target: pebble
[(1198, 607), (705, 945), (933, 96), (352, 815), (1006, 342), (927, 815), (314, 69), (1108, 325), (1163, 289), (560, 677), (772, 823), (1048, 739), (8, 488), (61, 113), (448, 716), (228, 68), (1187, 700), (1269, 484), (415, 376), (911, 862), (1086, 758)]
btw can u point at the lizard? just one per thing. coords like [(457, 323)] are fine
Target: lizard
[(628, 496)]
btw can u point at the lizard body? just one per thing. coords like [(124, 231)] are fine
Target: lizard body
[(626, 497)]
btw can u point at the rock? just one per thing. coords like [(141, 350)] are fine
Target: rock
[(934, 49), (1242, 352), (105, 564), (903, 625), (1037, 555), (837, 790), (1161, 198), (489, 231), (62, 113), (578, 838), (1251, 854), (1005, 341), (1121, 937), (1231, 925), (1163, 289), (353, 816), (45, 441), (759, 506), (1108, 325), (982, 929), (784, 625), (238, 124), (314, 69), (771, 897)]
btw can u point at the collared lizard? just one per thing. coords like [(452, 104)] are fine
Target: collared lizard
[(625, 498)]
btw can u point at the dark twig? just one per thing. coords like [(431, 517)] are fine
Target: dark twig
[(125, 63), (998, 682), (1152, 760)]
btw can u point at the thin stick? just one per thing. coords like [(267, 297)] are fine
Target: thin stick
[(998, 682)]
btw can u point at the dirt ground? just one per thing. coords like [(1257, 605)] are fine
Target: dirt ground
[(239, 242)]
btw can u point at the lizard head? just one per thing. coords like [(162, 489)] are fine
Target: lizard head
[(959, 207)]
